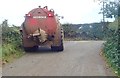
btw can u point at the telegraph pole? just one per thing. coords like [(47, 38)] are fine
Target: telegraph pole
[(103, 14), (103, 17), (103, 11)]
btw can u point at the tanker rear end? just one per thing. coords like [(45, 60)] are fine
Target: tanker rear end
[(42, 28)]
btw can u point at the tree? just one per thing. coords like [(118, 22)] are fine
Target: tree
[(4, 25), (68, 30), (110, 8)]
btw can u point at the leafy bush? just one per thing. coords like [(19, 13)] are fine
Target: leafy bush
[(111, 48), (11, 42)]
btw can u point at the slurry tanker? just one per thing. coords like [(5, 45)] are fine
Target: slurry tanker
[(41, 27)]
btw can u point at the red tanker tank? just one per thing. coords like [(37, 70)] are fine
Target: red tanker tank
[(40, 28)]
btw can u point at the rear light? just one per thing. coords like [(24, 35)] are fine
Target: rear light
[(28, 15), (50, 15)]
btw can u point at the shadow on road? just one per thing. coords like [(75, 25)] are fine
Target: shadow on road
[(43, 50)]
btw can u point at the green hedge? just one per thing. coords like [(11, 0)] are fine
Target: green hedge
[(111, 48), (111, 52), (11, 42)]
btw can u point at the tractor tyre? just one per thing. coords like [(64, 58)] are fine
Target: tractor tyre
[(59, 48)]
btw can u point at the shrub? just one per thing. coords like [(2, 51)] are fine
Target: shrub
[(11, 42), (111, 48)]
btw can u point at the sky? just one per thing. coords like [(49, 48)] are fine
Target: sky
[(73, 11)]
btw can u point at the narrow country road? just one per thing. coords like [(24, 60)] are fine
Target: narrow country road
[(80, 58)]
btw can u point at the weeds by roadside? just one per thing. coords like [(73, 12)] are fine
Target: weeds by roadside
[(11, 42)]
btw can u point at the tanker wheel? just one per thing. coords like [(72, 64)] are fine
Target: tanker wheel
[(58, 48), (31, 49)]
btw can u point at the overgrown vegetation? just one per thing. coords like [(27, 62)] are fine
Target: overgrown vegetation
[(111, 46), (111, 50), (11, 42)]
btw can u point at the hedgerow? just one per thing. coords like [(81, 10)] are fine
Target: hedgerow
[(11, 42), (111, 49)]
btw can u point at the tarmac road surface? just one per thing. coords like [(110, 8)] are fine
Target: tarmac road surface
[(79, 58)]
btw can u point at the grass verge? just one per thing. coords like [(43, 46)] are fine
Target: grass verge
[(10, 52)]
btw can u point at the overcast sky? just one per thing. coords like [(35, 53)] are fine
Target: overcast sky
[(74, 11)]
